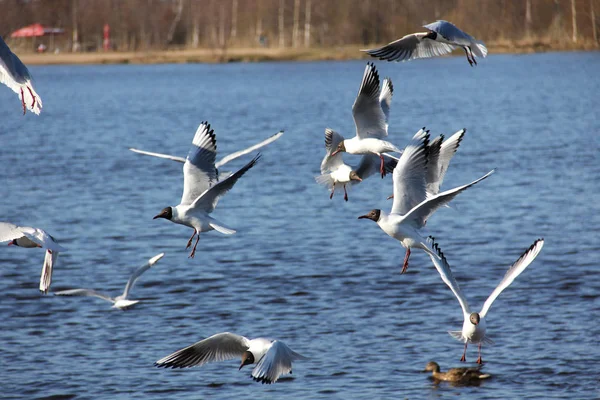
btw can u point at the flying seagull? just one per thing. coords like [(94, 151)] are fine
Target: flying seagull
[(121, 302), (474, 329), (441, 38), (24, 236), (15, 75), (272, 358), (201, 191)]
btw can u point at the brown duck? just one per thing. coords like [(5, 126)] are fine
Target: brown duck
[(461, 375)]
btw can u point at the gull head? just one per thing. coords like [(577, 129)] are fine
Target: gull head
[(432, 366), (354, 176), (341, 148), (166, 213), (372, 215), (247, 358), (431, 35), (474, 318)]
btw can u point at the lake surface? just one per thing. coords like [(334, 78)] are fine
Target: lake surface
[(302, 268)]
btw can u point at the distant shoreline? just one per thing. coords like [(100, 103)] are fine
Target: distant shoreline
[(267, 54)]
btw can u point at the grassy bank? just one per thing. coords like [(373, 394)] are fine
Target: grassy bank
[(267, 54)]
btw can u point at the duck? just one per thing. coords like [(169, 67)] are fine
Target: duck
[(459, 375)]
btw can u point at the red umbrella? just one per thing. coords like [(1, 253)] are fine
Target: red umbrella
[(35, 30)]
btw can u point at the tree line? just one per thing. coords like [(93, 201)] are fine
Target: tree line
[(164, 24)]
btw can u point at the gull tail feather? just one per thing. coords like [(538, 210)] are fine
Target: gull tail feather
[(456, 335), (325, 180), (223, 229), (479, 49)]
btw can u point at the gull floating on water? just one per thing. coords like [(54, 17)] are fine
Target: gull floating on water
[(121, 302), (221, 162), (458, 375), (273, 358), (371, 117), (201, 192), (24, 236), (15, 75), (412, 205), (441, 38), (474, 329)]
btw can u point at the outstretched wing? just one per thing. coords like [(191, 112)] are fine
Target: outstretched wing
[(441, 264), (208, 200), (277, 361), (46, 278), (248, 150), (385, 99), (332, 140), (368, 116), (411, 47), (10, 231), (410, 174), (219, 347), (138, 272), (159, 155), (199, 171), (515, 270), (84, 292)]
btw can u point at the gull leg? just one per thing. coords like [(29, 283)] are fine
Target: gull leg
[(345, 193), (189, 243), (193, 253), (382, 166), (472, 56), (332, 191), (479, 361), (405, 264), (468, 59), (463, 358), (32, 96), (23, 102)]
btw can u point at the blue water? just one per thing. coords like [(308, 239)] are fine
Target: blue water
[(302, 268)]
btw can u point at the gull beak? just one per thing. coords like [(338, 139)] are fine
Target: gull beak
[(158, 216), (390, 197), (334, 153), (363, 216)]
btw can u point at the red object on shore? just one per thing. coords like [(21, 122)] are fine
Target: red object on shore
[(106, 41), (36, 30)]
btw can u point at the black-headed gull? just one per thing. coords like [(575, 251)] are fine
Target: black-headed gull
[(273, 358), (412, 205), (201, 191), (121, 302), (25, 236), (458, 375), (474, 329), (441, 38), (371, 117), (221, 162), (15, 75), (439, 154)]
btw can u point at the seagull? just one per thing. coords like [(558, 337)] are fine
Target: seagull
[(371, 117), (201, 192), (15, 75), (121, 302), (474, 330), (412, 206), (24, 236), (334, 172), (459, 375), (273, 358), (441, 38), (439, 154), (221, 162)]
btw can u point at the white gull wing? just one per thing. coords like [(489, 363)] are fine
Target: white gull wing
[(452, 34), (208, 200), (199, 171), (385, 99), (515, 270), (250, 149), (137, 273), (46, 278), (159, 155), (442, 266), (15, 75), (331, 163), (447, 151), (368, 116), (221, 162), (277, 361), (410, 174), (42, 238), (433, 158), (411, 47), (219, 347), (10, 231), (421, 212), (84, 292)]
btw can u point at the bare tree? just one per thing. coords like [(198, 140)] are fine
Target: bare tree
[(296, 28), (574, 15), (307, 24), (593, 16), (281, 23)]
